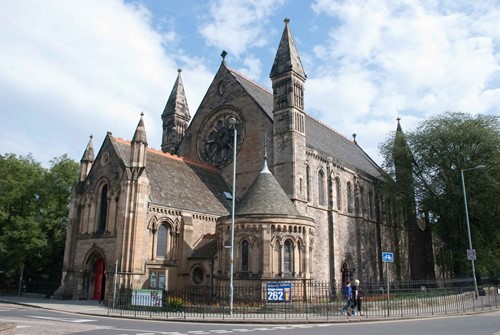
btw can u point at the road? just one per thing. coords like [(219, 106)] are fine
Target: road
[(35, 321)]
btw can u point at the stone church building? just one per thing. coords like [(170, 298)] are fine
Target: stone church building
[(308, 202)]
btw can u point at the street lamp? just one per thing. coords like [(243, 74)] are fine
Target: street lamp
[(472, 256), (232, 123)]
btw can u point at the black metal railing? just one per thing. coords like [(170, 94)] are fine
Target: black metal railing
[(306, 300)]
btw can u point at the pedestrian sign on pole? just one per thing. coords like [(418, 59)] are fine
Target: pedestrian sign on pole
[(387, 257), (471, 254)]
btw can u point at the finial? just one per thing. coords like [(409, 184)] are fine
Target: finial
[(287, 20), (399, 119), (91, 137), (223, 54), (142, 114), (179, 70), (354, 137), (265, 141)]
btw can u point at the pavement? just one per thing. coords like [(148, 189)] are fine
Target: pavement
[(92, 307), (89, 307)]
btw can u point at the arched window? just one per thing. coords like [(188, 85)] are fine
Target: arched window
[(287, 257), (362, 199), (321, 188), (244, 256), (349, 197), (308, 183), (338, 192), (370, 200), (161, 241), (103, 209)]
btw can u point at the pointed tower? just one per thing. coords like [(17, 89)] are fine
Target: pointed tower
[(87, 160), (139, 146), (136, 204), (420, 255), (288, 78), (175, 117)]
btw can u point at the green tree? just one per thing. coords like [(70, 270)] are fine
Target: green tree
[(33, 216), (441, 147)]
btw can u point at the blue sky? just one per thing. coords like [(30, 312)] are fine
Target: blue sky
[(70, 69)]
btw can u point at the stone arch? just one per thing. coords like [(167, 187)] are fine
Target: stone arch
[(94, 276), (347, 269)]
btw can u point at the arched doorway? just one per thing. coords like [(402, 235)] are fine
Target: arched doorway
[(99, 279), (347, 270)]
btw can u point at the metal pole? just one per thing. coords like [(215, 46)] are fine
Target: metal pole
[(468, 225), (232, 121), (114, 288), (21, 279), (388, 286)]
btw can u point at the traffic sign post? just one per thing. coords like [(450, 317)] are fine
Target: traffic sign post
[(387, 257), (471, 254)]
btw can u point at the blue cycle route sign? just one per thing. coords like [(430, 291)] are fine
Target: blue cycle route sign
[(279, 291), (387, 257)]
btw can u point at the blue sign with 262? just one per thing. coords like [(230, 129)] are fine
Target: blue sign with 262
[(279, 291), (387, 257)]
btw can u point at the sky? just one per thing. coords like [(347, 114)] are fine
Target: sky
[(70, 69)]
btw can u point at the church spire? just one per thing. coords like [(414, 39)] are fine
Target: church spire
[(87, 160), (287, 58), (139, 145), (288, 80), (140, 132), (175, 117)]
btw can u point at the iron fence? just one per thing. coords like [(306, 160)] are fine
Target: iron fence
[(304, 301)]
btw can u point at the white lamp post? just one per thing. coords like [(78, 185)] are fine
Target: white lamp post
[(472, 257), (232, 122)]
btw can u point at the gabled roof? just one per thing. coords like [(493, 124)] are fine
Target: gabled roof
[(169, 176), (318, 135), (206, 248)]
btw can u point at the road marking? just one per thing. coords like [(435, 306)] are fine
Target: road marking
[(61, 319), (242, 330)]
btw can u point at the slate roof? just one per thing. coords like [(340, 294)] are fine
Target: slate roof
[(206, 248), (265, 196), (318, 135), (180, 184)]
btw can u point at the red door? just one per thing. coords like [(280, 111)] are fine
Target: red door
[(98, 279)]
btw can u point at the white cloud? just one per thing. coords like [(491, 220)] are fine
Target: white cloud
[(236, 25), (392, 58), (75, 68), (253, 67)]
